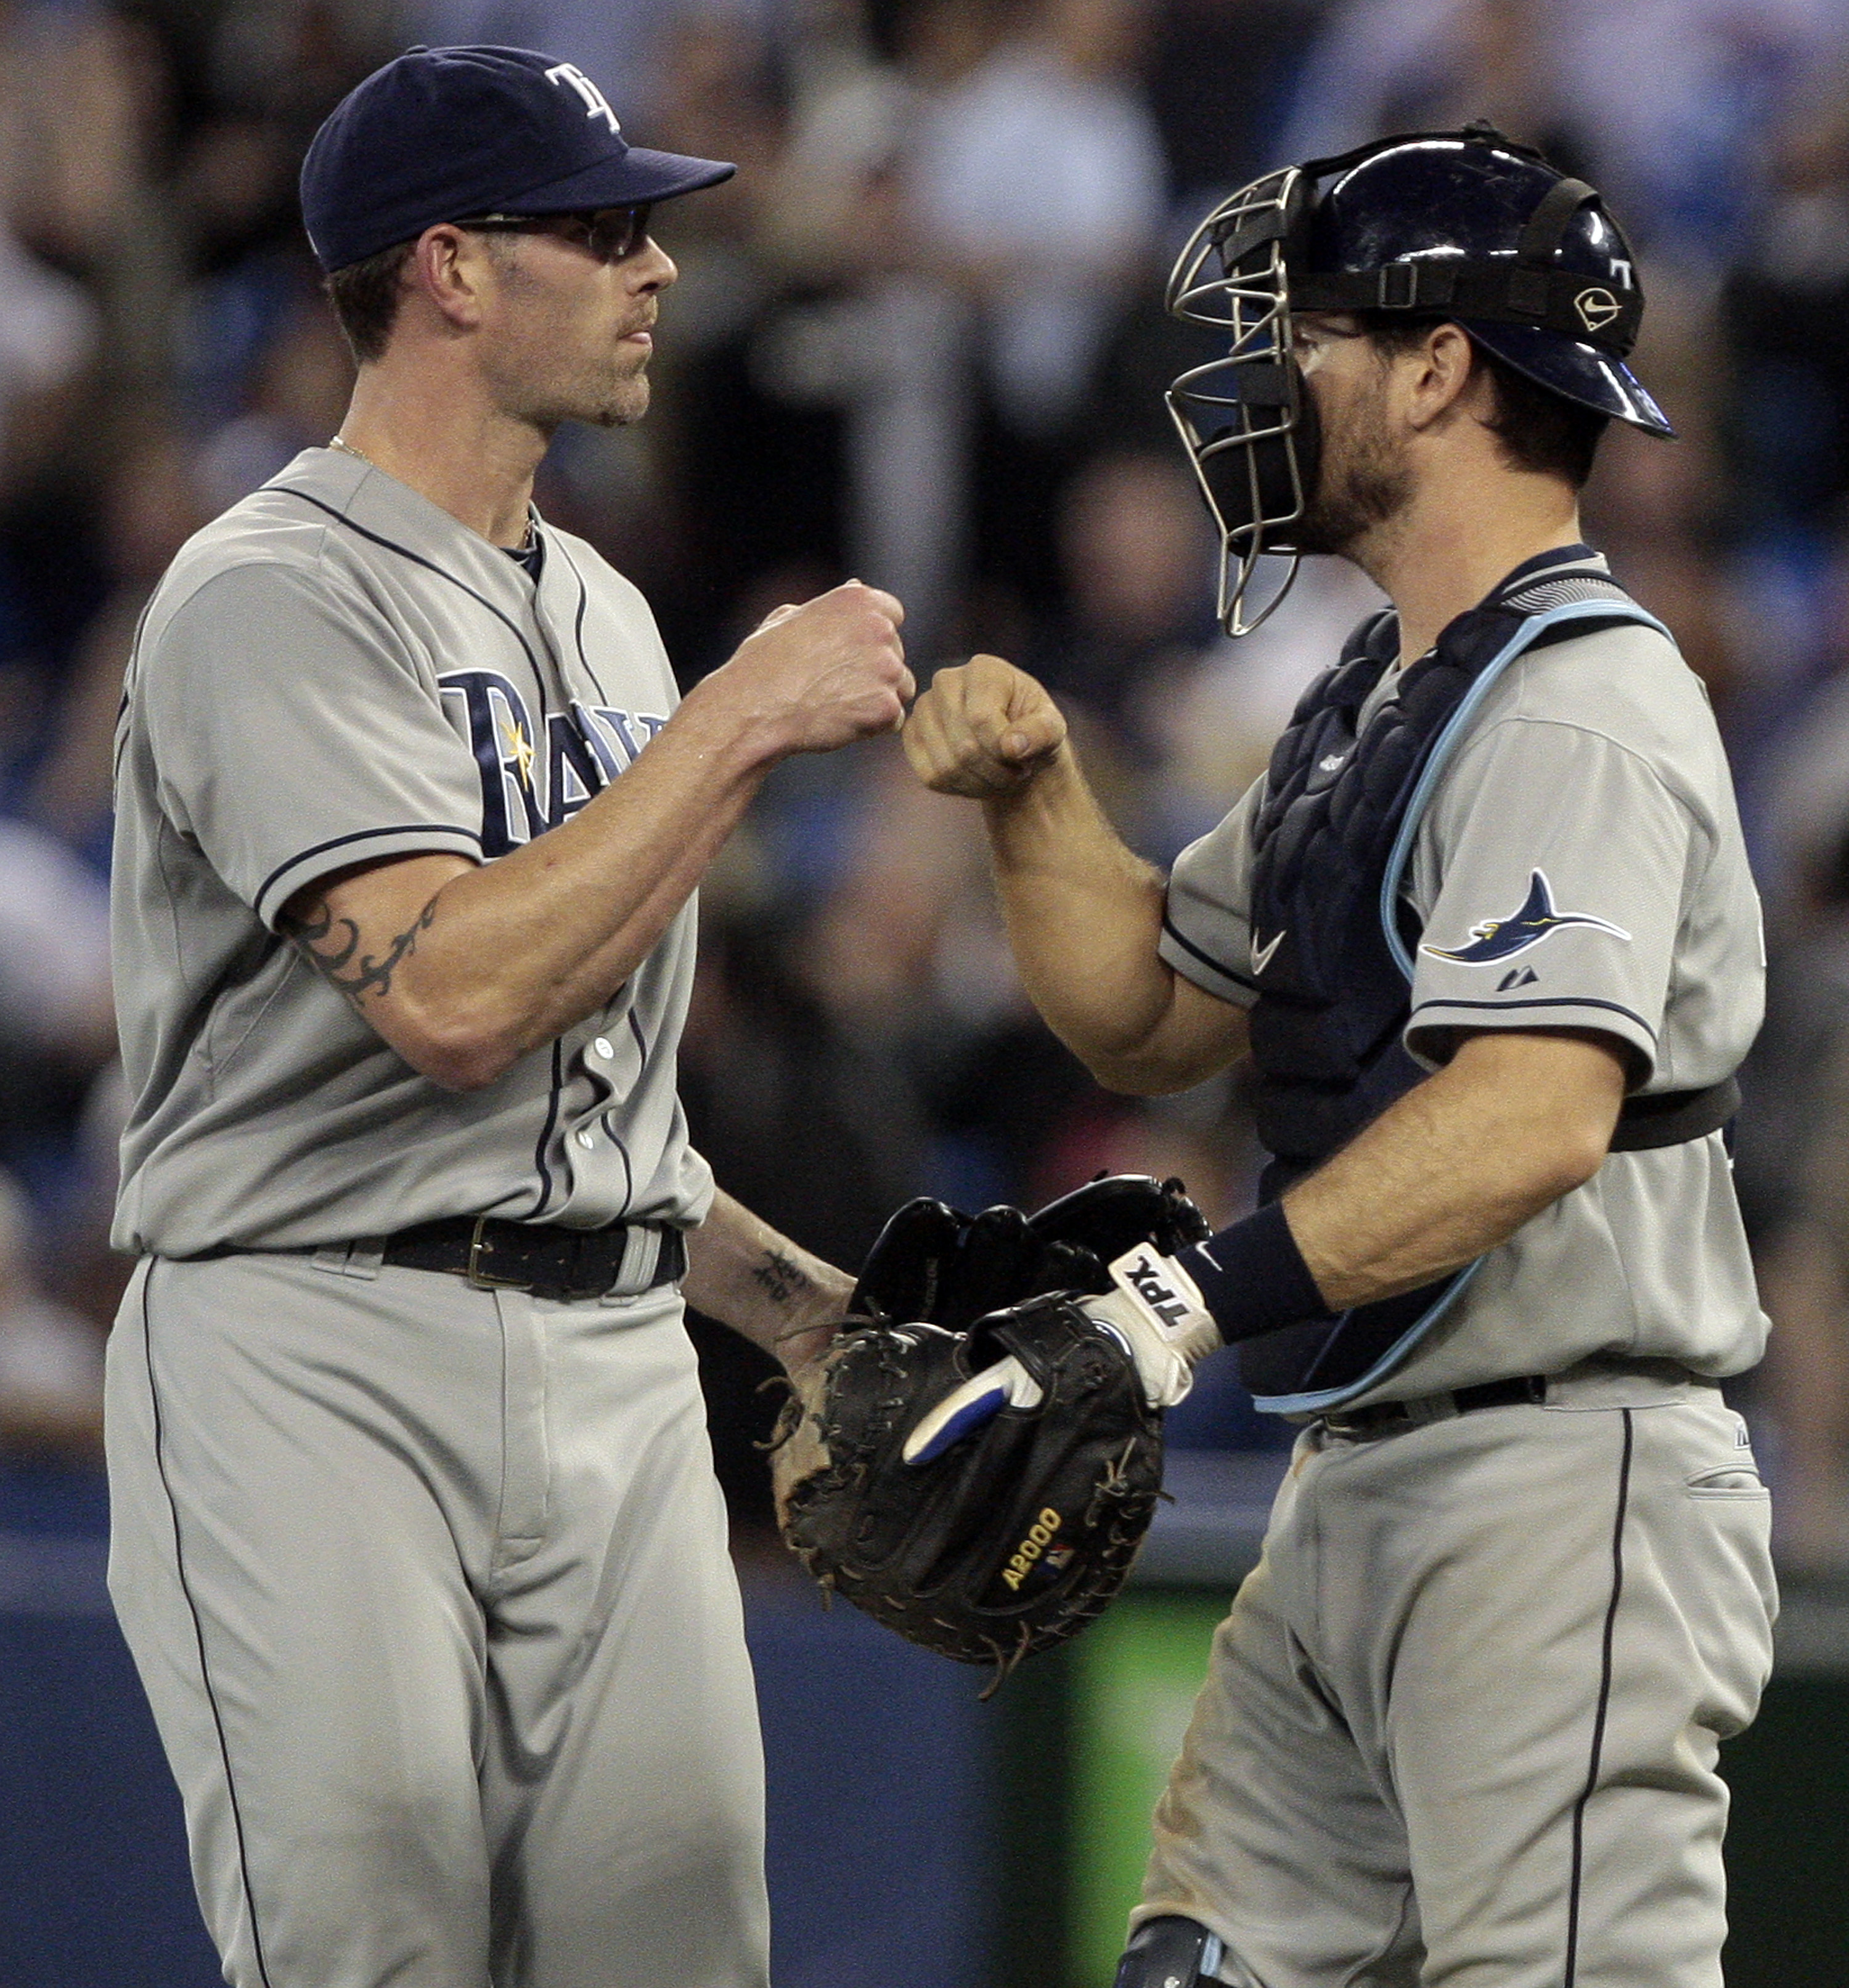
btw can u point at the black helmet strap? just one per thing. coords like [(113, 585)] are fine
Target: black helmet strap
[(1544, 229), (1532, 289)]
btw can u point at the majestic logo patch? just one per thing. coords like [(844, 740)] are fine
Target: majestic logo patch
[(1502, 939), (1596, 308)]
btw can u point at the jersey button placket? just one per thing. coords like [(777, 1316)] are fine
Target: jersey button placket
[(598, 1051)]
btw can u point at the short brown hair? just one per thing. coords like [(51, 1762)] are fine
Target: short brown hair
[(1540, 430), (365, 296)]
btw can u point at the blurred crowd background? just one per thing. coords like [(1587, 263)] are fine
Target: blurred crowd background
[(919, 339)]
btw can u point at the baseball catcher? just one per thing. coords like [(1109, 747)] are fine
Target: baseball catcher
[(977, 1465), (1487, 927)]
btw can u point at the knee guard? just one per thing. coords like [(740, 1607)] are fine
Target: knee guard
[(1170, 1953)]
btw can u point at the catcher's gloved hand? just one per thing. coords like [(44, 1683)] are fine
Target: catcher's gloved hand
[(1155, 1309), (1012, 1539), (1017, 1537), (933, 1264)]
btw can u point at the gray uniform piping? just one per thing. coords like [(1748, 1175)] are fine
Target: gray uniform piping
[(262, 906), (1206, 959), (1549, 1001), (1602, 1711), (545, 1129), (578, 624), (192, 1608), (629, 1172), (418, 558)]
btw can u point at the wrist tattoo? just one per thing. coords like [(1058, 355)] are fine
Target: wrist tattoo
[(779, 1278), (331, 945)]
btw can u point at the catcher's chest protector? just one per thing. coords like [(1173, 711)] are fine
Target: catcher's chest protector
[(1334, 844)]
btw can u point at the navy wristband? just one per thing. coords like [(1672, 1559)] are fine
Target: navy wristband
[(1253, 1277)]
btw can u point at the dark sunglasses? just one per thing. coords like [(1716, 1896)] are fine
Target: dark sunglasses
[(610, 234)]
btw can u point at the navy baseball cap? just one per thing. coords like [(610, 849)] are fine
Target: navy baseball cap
[(442, 134)]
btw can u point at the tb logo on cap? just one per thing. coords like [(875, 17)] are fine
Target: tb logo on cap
[(596, 103)]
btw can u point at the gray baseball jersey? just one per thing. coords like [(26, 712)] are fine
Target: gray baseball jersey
[(1591, 800), (427, 1584), (337, 671)]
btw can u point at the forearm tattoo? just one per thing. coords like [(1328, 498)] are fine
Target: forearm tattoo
[(780, 1279), (331, 945)]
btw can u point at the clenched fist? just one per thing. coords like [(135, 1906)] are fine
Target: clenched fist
[(984, 729), (811, 678)]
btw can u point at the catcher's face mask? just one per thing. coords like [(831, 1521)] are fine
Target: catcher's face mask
[(1246, 419)]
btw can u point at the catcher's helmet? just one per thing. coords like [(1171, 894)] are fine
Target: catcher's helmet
[(1464, 226)]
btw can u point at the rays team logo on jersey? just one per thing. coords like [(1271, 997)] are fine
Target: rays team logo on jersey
[(1502, 939), (533, 777)]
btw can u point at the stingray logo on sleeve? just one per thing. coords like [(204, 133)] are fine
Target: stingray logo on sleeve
[(1502, 939)]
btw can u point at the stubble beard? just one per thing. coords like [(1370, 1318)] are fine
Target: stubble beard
[(610, 390), (1361, 484), (545, 375), (625, 403), (605, 403), (621, 397)]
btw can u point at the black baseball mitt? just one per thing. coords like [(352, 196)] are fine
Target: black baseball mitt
[(1015, 1537), (932, 1263)]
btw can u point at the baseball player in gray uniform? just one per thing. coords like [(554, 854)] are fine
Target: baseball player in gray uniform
[(416, 1541), (1486, 928)]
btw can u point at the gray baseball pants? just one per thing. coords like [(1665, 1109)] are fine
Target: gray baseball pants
[(429, 1590), (1460, 1728)]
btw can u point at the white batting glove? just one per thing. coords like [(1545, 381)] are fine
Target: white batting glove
[(1155, 1313)]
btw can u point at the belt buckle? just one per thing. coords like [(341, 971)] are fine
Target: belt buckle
[(1369, 1421), (479, 1278)]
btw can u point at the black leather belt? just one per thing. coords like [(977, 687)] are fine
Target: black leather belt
[(1530, 1387), (549, 1261)]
